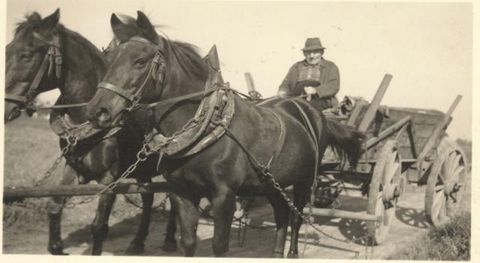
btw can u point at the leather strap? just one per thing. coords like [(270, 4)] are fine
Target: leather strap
[(113, 88), (52, 58), (134, 98)]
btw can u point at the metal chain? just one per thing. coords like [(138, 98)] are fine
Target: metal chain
[(71, 142), (161, 205), (70, 205), (265, 172), (142, 156)]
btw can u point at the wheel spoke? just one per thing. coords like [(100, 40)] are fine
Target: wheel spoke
[(438, 204), (441, 178), (439, 187), (391, 173), (456, 173), (453, 163), (391, 168)]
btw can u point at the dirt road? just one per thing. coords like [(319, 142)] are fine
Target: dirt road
[(409, 223)]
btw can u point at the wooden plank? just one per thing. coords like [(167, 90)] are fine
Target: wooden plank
[(81, 190), (372, 109), (436, 132), (250, 83), (388, 132), (340, 214), (355, 113)]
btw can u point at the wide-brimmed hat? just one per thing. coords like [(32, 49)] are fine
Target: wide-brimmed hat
[(313, 44)]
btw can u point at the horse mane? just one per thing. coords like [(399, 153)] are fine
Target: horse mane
[(88, 47), (31, 22), (183, 58)]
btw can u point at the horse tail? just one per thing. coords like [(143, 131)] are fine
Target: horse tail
[(345, 140)]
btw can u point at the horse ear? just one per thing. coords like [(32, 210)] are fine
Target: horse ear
[(122, 31), (147, 29), (51, 21), (34, 17)]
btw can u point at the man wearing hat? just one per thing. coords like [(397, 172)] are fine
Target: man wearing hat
[(315, 77)]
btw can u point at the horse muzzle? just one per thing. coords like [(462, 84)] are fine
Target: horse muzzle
[(12, 111), (101, 118)]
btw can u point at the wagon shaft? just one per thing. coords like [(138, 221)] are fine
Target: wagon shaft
[(12, 193)]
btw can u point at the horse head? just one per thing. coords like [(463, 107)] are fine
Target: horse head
[(143, 68), (31, 62)]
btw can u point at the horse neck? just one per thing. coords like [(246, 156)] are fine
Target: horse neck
[(83, 69), (172, 119)]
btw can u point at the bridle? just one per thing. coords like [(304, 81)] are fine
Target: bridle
[(158, 64), (51, 61)]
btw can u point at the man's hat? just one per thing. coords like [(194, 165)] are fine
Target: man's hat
[(313, 44)]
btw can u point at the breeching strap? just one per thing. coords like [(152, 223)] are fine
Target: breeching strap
[(314, 185)]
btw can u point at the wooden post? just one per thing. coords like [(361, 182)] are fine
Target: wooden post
[(389, 131), (250, 83), (436, 133), (372, 109)]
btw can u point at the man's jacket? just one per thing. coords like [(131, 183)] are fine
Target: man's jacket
[(325, 77)]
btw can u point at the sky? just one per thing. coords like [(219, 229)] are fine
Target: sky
[(427, 47)]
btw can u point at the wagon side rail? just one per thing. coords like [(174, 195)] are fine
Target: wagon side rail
[(424, 159)]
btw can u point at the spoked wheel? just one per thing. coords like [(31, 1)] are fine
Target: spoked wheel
[(445, 185), (384, 192)]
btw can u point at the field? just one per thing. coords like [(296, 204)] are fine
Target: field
[(31, 148)]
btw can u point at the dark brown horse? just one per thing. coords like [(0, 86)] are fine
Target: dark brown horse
[(223, 170), (76, 75)]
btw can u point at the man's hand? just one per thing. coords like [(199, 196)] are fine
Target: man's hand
[(310, 91)]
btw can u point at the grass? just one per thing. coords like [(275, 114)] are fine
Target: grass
[(30, 149), (450, 242)]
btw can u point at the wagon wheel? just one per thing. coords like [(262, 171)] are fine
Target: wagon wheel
[(384, 191), (445, 184)]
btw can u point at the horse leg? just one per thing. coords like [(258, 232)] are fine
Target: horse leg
[(301, 194), (55, 208), (188, 215), (170, 244), (223, 207), (281, 212), (137, 246), (100, 222)]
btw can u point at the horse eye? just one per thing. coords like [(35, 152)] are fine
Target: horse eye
[(26, 55), (141, 62)]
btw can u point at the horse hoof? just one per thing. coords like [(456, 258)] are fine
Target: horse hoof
[(169, 246), (277, 255), (135, 249), (56, 249), (292, 255)]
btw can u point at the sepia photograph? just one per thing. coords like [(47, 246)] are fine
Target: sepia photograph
[(239, 129)]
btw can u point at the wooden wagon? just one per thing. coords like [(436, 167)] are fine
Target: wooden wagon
[(403, 146)]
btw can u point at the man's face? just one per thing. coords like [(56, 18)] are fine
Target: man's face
[(313, 57)]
